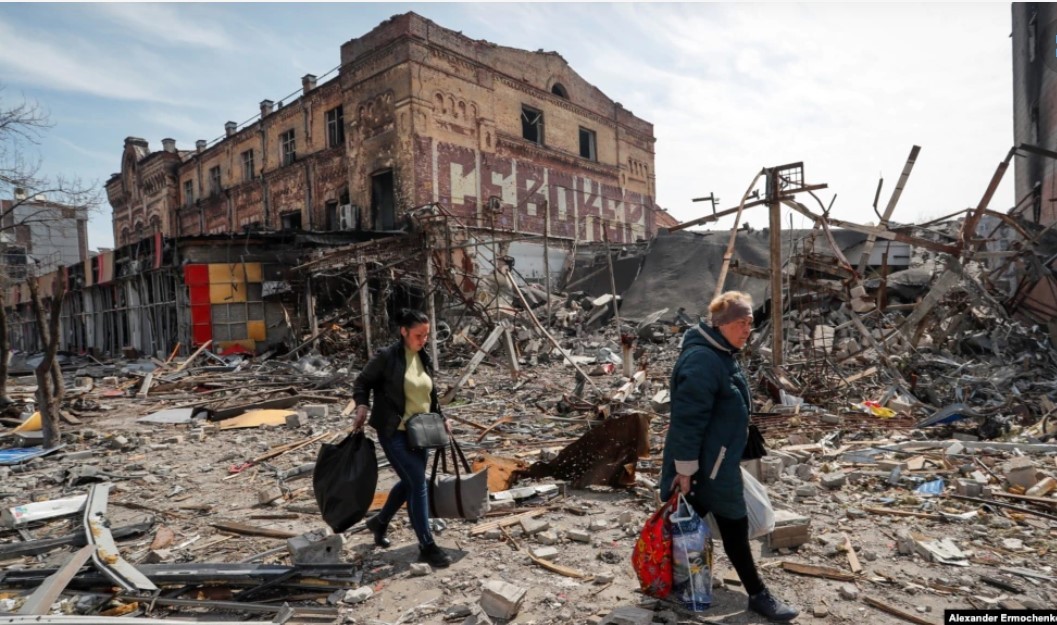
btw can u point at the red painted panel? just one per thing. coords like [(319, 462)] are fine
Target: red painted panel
[(195, 275), (202, 334), (201, 314), (199, 294)]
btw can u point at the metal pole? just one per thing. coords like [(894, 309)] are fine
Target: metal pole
[(547, 256), (612, 277), (431, 304), (774, 205), (365, 306)]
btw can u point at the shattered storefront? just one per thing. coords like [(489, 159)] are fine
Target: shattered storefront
[(158, 295)]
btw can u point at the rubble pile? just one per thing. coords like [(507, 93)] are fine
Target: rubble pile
[(910, 464)]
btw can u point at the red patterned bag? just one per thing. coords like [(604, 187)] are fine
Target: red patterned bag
[(652, 557)]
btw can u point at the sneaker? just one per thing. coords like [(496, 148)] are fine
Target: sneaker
[(378, 530), (433, 554), (770, 607)]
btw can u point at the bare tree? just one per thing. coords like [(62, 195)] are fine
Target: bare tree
[(30, 199), (49, 378)]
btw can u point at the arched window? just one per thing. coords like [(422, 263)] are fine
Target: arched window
[(559, 90)]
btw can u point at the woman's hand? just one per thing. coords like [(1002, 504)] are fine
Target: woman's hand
[(447, 426), (361, 417), (681, 484)]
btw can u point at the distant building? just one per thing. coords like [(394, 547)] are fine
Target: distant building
[(418, 122), (1035, 108), (417, 114), (40, 234)]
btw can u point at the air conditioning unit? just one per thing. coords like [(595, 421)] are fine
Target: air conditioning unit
[(348, 217)]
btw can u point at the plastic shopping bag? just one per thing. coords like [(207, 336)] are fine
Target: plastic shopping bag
[(691, 558), (652, 556), (757, 506)]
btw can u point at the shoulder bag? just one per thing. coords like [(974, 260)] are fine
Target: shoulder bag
[(459, 496), (426, 430)]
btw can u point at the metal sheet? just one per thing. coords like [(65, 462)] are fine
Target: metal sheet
[(25, 454), (46, 594), (106, 556)]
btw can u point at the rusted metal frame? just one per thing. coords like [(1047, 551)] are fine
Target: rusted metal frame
[(762, 273), (104, 550), (824, 222), (969, 243), (897, 236), (890, 208), (938, 220), (1009, 221), (729, 252), (716, 216), (46, 594)]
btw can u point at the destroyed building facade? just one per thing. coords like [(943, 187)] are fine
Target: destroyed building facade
[(511, 143), (416, 114)]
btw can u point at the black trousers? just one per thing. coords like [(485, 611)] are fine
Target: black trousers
[(735, 534)]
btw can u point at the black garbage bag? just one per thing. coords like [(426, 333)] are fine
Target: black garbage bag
[(344, 480)]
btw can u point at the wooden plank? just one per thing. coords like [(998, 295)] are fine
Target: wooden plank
[(853, 560), (885, 607), (250, 530), (191, 358), (818, 571), (897, 512), (481, 528)]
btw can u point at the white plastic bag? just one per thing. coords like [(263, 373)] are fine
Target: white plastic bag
[(691, 558), (757, 506)]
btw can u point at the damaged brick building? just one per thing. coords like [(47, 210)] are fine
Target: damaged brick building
[(511, 144)]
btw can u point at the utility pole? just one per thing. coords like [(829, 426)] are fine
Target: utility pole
[(774, 207)]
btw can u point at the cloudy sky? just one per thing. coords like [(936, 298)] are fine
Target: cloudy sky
[(845, 88)]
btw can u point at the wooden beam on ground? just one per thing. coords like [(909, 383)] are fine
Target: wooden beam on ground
[(481, 528), (853, 560), (824, 572), (885, 607), (250, 530)]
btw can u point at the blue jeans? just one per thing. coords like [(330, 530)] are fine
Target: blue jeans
[(410, 467)]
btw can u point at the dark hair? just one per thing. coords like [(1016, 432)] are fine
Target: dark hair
[(409, 318)]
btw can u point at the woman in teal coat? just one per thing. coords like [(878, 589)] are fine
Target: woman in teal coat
[(710, 405)]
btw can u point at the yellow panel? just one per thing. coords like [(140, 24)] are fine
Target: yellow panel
[(256, 330), (256, 418), (253, 272), (221, 293), (220, 273), (238, 273)]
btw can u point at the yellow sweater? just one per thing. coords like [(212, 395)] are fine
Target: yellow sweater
[(417, 387)]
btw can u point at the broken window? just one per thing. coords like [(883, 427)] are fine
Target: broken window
[(287, 147), (588, 141), (559, 90), (335, 127), (383, 201), (291, 221), (247, 166), (214, 180), (189, 192), (532, 124)]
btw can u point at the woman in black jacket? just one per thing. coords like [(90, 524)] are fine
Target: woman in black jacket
[(401, 378)]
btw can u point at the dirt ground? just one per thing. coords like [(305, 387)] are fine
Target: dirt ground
[(183, 475)]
